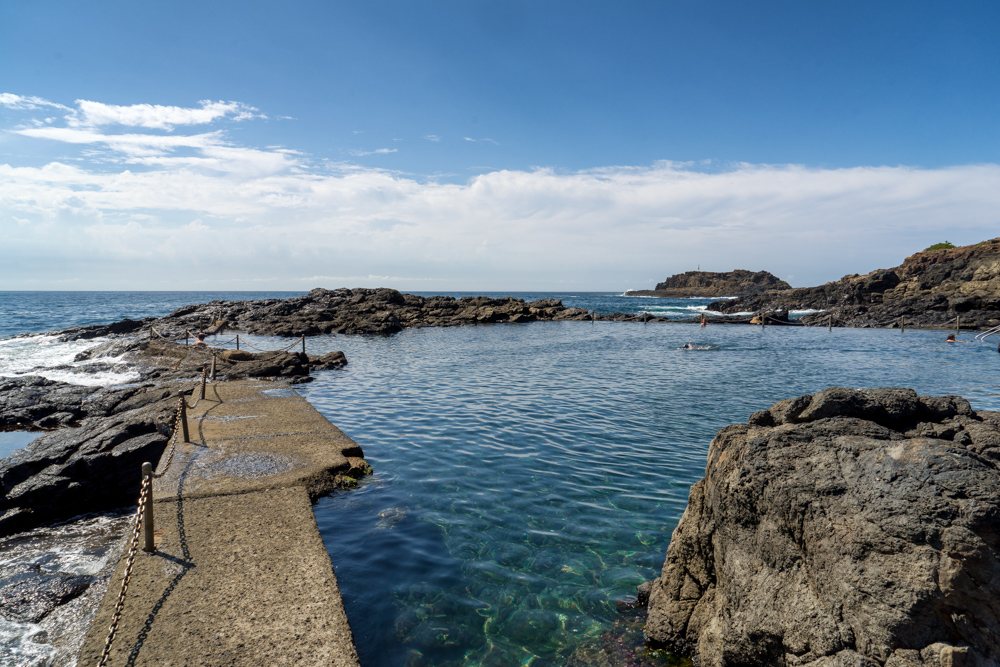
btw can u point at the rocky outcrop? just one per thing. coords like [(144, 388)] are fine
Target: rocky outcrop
[(365, 311), (844, 528), (93, 467), (708, 284), (930, 288)]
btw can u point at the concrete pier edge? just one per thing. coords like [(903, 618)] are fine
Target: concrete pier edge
[(241, 575)]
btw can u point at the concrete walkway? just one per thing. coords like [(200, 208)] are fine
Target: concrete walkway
[(241, 575)]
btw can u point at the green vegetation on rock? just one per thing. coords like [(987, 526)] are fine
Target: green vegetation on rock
[(940, 246)]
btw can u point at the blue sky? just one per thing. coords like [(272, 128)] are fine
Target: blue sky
[(488, 145)]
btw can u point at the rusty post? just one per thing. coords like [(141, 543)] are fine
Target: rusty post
[(958, 325), (237, 342), (147, 509), (902, 323), (183, 417), (830, 326), (204, 379), (303, 343), (213, 367)]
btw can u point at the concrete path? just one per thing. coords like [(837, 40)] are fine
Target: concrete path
[(241, 575)]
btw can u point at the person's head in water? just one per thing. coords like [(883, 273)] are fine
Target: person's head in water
[(201, 340), (951, 338)]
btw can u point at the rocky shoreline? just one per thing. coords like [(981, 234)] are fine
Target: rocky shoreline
[(933, 288), (349, 311), (849, 527)]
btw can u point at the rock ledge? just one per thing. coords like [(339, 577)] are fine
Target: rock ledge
[(850, 527)]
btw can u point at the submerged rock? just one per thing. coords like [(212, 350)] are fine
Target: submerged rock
[(843, 528)]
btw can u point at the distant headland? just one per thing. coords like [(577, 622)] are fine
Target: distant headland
[(944, 285), (708, 284)]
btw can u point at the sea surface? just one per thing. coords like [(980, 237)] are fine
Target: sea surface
[(528, 477)]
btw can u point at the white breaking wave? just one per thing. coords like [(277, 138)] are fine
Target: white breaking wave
[(50, 358)]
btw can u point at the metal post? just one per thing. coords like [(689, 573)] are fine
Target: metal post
[(237, 341), (184, 417), (830, 328), (185, 336), (762, 319), (303, 343), (902, 323), (204, 379), (147, 509), (213, 367), (958, 325)]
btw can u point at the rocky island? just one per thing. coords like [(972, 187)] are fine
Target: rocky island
[(930, 288), (708, 284), (849, 527)]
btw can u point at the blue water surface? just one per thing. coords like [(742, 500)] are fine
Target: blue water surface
[(529, 476)]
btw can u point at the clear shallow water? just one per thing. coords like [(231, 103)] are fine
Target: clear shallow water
[(11, 441), (528, 476)]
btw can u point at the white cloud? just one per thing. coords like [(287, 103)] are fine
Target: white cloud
[(378, 151), (432, 137), (159, 211), (159, 117), (12, 101)]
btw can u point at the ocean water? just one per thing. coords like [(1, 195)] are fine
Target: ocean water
[(528, 477)]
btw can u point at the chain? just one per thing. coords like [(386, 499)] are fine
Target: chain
[(117, 616), (288, 347), (173, 441)]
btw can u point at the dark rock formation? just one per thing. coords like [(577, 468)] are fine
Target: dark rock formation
[(843, 528), (91, 468), (365, 311), (930, 288), (30, 595), (327, 361), (705, 283)]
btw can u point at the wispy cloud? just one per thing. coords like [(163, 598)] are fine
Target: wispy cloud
[(152, 205), (378, 151), (432, 137), (154, 116), (12, 101)]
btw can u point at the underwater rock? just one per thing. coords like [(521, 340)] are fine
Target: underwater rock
[(854, 527)]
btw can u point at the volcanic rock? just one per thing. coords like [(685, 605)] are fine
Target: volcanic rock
[(844, 528), (94, 467), (706, 283), (358, 311), (930, 288), (32, 595)]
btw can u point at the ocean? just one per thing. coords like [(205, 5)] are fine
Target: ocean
[(526, 477)]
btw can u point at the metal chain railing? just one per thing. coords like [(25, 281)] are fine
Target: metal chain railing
[(119, 605)]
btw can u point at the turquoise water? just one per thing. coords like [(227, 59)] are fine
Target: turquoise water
[(527, 477)]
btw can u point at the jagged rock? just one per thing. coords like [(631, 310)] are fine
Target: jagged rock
[(31, 595), (365, 311), (930, 288), (706, 283), (91, 468), (327, 361), (844, 528)]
